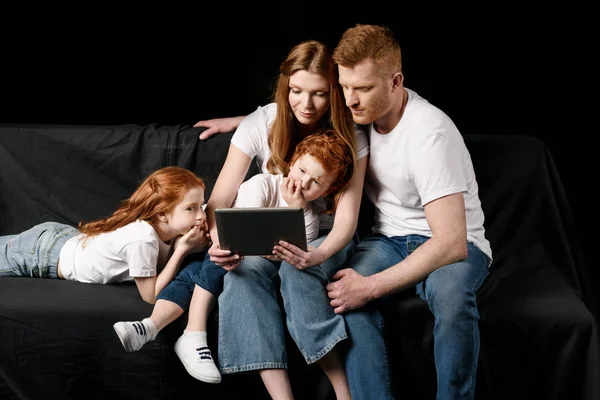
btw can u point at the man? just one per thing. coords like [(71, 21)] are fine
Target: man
[(428, 227)]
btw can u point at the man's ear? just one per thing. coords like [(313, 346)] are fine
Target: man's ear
[(397, 80)]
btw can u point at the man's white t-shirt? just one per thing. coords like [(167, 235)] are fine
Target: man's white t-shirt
[(252, 138), (133, 250), (422, 159), (263, 190)]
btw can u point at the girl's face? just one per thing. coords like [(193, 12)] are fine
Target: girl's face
[(308, 97), (189, 212), (309, 173)]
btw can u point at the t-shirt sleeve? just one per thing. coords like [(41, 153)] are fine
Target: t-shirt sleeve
[(362, 142), (436, 168), (142, 257), (253, 193), (251, 131)]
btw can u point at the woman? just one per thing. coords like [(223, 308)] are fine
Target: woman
[(307, 100)]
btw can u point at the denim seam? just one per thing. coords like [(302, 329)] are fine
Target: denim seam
[(387, 360), (51, 249), (326, 349), (476, 358), (254, 367)]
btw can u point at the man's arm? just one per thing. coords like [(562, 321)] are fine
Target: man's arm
[(448, 244)]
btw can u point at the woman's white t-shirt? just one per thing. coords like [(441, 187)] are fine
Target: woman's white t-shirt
[(252, 138)]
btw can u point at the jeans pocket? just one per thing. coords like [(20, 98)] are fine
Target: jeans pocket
[(26, 242)]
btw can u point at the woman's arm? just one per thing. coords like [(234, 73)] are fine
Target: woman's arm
[(230, 178), (218, 125), (344, 226)]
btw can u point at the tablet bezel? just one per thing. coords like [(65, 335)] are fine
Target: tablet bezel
[(253, 231)]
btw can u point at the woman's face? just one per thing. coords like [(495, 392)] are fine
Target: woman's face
[(308, 97)]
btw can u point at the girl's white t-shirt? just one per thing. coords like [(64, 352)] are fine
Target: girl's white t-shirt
[(134, 250), (252, 138)]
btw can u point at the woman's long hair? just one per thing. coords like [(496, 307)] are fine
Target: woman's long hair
[(158, 193), (314, 57), (333, 153)]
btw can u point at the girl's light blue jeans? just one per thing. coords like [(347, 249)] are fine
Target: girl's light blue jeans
[(34, 253), (251, 323), (450, 294)]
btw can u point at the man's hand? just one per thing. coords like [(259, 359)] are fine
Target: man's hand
[(218, 125), (348, 291), (291, 191), (296, 257)]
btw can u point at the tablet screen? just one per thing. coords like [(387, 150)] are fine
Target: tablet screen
[(254, 231)]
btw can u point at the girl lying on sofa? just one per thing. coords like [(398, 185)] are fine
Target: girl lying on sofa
[(144, 240), (320, 166)]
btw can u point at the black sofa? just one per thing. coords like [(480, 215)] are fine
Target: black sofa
[(539, 328)]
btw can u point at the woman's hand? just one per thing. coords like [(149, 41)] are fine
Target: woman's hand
[(291, 191), (223, 258), (298, 258)]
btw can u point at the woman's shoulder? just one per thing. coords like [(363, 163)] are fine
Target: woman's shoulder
[(265, 113)]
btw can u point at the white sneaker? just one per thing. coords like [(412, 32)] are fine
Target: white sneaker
[(133, 335), (197, 360)]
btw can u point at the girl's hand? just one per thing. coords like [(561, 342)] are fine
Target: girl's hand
[(291, 191), (223, 258), (298, 258), (197, 239)]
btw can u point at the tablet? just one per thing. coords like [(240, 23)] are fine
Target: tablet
[(253, 231)]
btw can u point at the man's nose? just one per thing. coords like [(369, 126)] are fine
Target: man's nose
[(351, 98)]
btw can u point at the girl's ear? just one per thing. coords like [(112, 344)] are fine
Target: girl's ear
[(163, 217)]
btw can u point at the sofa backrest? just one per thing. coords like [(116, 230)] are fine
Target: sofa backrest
[(71, 173)]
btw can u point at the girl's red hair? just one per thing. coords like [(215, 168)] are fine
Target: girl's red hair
[(158, 193)]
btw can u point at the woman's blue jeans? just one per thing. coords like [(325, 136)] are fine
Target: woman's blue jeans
[(35, 252), (450, 294), (251, 324)]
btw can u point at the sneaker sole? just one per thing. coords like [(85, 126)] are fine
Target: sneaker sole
[(203, 378), (122, 334)]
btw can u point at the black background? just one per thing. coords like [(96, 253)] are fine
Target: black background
[(505, 69)]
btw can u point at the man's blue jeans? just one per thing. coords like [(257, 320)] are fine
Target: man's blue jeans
[(450, 294), (251, 326)]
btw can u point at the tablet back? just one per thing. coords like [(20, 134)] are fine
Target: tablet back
[(254, 231)]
